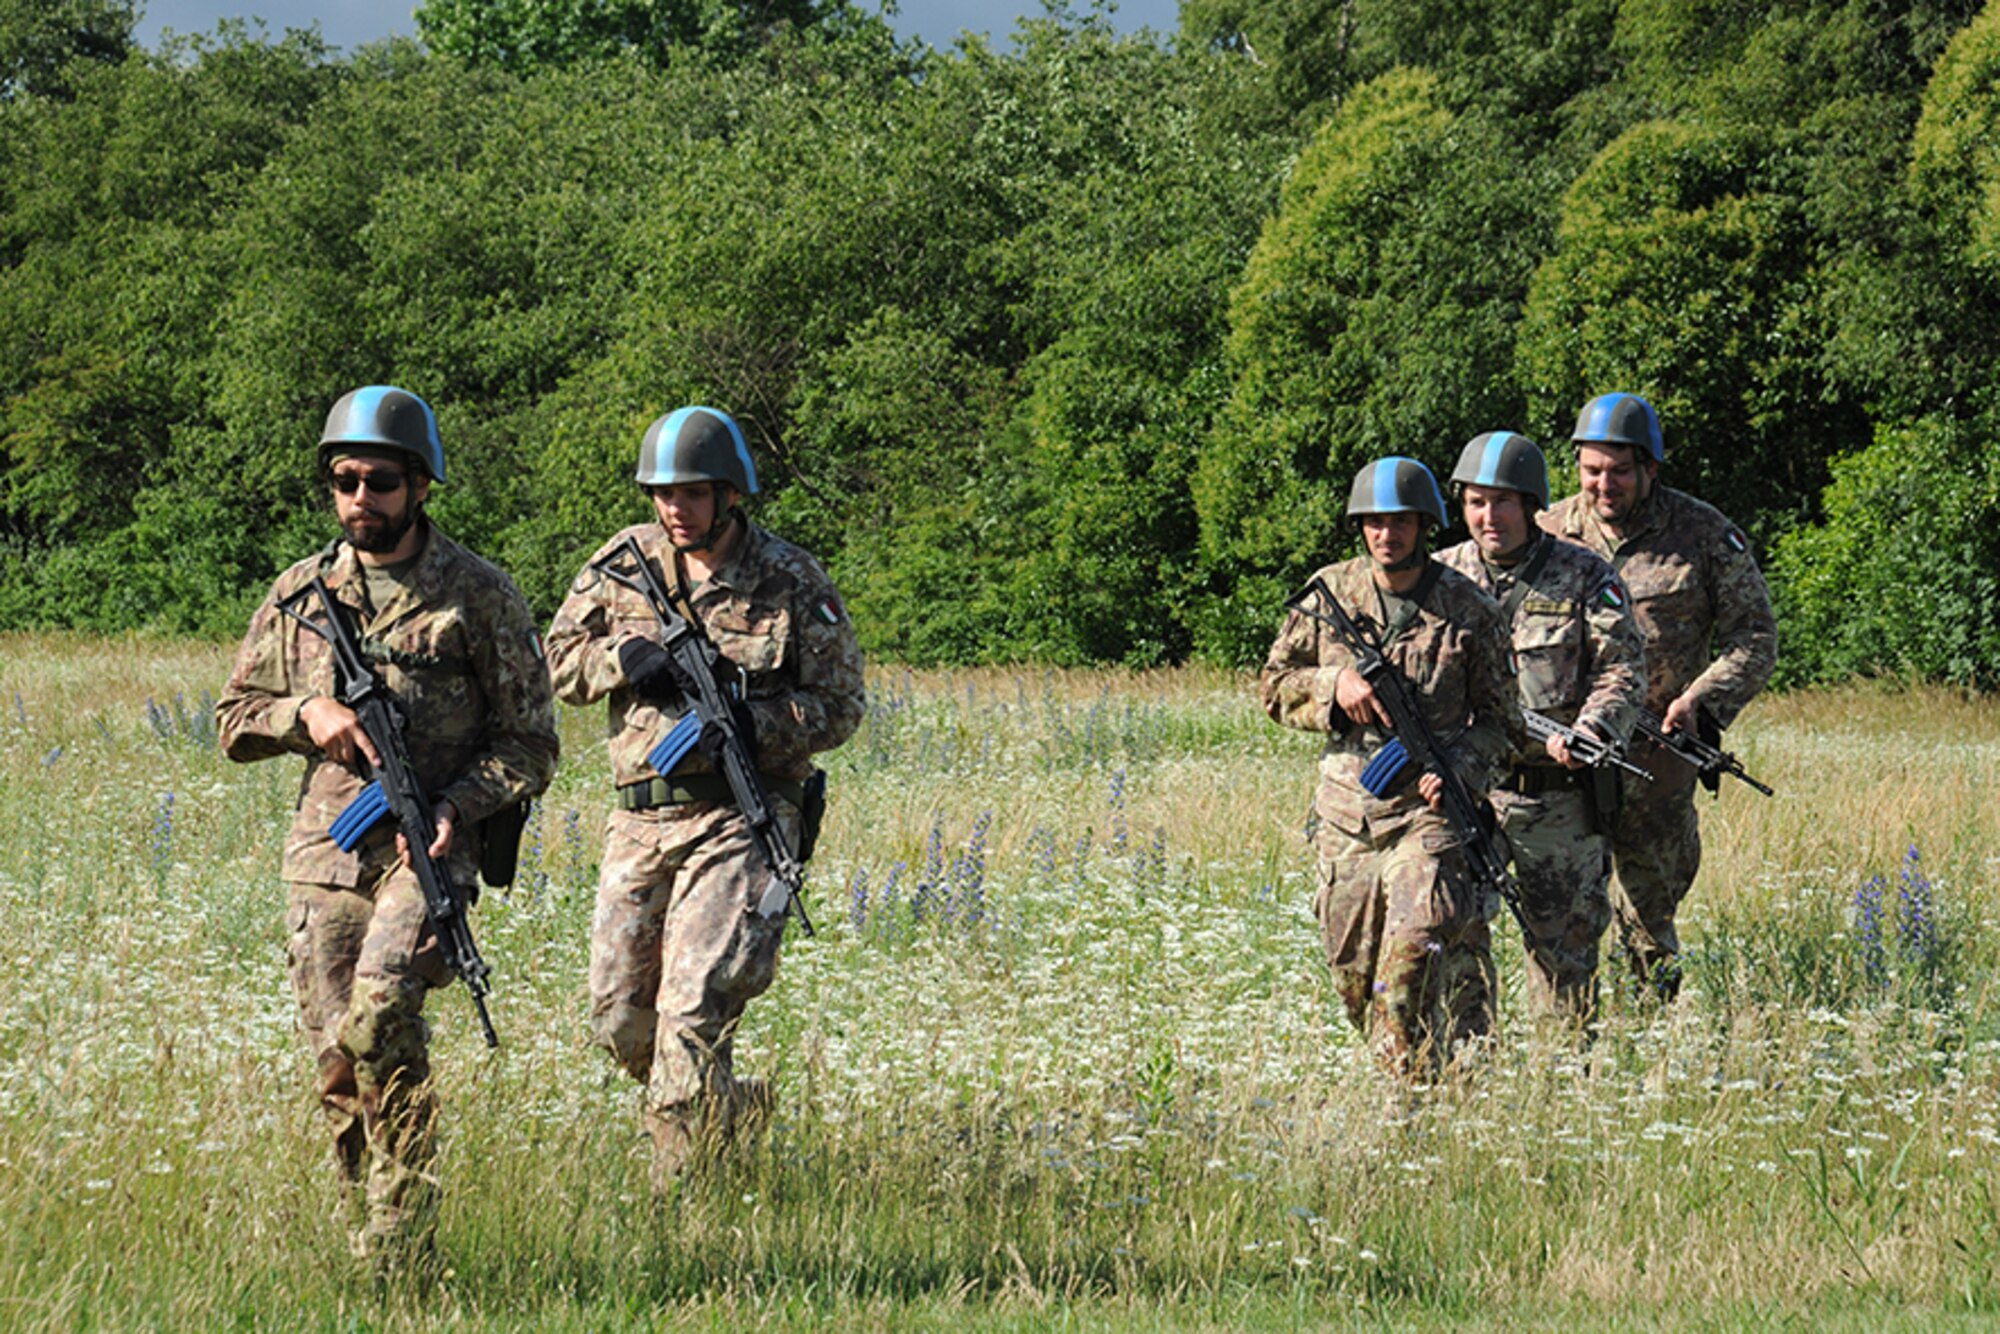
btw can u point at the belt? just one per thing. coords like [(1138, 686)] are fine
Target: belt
[(1534, 781), (688, 788)]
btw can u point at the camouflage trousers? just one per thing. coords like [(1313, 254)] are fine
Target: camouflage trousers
[(1406, 936), (362, 962), (1656, 849), (1563, 866), (677, 951)]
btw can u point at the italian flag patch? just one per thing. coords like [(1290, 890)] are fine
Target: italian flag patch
[(828, 610), (1614, 596)]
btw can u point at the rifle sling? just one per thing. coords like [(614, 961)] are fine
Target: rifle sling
[(1525, 580), (1410, 608)]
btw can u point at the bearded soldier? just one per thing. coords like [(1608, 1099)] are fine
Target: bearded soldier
[(683, 939), (1711, 643), (456, 644), (1579, 662), (1403, 923)]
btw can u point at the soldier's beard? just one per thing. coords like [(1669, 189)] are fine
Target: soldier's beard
[(379, 539)]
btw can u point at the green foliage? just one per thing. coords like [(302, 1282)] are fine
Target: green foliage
[(1067, 352), (1375, 317), (526, 35), (1903, 576), (1683, 271), (40, 38)]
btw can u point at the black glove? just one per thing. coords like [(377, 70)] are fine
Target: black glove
[(710, 743), (652, 671)]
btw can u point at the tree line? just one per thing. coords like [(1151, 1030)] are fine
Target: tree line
[(1065, 352)]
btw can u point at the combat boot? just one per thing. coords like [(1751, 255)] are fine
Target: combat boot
[(672, 1130), (747, 1109)]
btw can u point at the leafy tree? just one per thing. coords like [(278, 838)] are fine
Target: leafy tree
[(1683, 271), (39, 39), (527, 35), (1903, 576), (1376, 316)]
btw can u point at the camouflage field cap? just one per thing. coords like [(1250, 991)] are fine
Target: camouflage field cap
[(1620, 419), (381, 416), (1396, 485), (696, 444), (1505, 460)]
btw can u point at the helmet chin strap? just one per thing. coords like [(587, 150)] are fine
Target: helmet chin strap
[(718, 527), (1418, 554)]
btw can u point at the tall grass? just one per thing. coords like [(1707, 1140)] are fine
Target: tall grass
[(1064, 1050)]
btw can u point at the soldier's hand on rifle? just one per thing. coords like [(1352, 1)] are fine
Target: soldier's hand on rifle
[(1681, 716), (654, 673), (1431, 788), (1354, 697), (710, 743), (1560, 752), (445, 816), (337, 732)]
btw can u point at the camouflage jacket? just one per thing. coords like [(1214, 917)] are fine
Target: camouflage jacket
[(1577, 651), (769, 609), (1699, 599), (456, 645), (1454, 653)]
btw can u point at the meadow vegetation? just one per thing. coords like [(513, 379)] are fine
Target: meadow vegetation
[(1063, 1051)]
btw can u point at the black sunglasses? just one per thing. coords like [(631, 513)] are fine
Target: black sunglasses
[(382, 483)]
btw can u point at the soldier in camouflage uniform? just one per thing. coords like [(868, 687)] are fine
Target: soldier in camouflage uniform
[(679, 946), (1579, 662), (456, 643), (1404, 926), (1711, 643)]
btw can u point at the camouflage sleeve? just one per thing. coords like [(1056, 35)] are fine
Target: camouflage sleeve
[(1618, 682), (582, 643), (1496, 731), (520, 731), (827, 698), (257, 717), (1298, 679), (1745, 637)]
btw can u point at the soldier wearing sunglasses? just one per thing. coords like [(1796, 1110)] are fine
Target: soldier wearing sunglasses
[(456, 643)]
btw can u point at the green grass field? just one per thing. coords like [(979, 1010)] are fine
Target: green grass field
[(1064, 1052)]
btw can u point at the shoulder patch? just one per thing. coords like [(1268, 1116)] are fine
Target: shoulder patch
[(828, 609), (586, 579), (1735, 540), (535, 646), (1612, 595)]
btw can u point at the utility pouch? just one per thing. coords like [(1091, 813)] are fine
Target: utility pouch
[(812, 811), (1711, 736), (1603, 790), (1386, 771), (500, 844)]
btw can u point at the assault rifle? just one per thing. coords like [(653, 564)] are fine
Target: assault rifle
[(1469, 818), (1592, 751), (1709, 760), (709, 711), (395, 790)]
